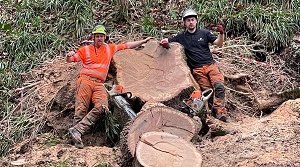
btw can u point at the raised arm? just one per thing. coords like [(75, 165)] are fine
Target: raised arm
[(220, 39), (135, 44)]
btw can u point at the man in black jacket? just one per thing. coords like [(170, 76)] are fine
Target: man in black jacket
[(199, 58)]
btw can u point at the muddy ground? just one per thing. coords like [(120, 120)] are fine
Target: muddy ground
[(269, 140)]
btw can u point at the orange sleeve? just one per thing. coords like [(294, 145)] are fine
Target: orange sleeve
[(118, 47), (122, 47), (80, 54)]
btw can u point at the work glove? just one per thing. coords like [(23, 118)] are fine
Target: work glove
[(118, 89), (220, 28), (164, 43)]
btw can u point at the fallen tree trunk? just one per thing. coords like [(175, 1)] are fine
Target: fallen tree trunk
[(160, 118), (277, 99), (271, 102), (155, 73), (162, 149), (241, 76)]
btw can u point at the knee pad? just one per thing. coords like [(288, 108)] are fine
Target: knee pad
[(219, 90)]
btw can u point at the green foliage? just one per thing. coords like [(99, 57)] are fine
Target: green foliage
[(5, 27), (19, 126), (51, 139), (32, 32), (112, 128), (122, 10), (5, 145), (59, 164), (271, 23), (103, 164), (148, 26)]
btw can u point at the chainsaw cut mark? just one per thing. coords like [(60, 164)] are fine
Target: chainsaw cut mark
[(170, 126), (161, 142), (159, 120), (162, 149)]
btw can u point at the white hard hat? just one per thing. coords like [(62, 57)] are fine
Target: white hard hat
[(189, 13)]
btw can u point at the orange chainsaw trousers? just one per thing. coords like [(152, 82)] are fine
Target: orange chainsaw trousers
[(89, 90), (209, 76)]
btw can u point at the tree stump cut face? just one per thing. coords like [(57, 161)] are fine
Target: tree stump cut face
[(162, 149), (153, 73), (160, 118)]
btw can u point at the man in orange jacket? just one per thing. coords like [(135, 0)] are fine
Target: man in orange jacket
[(95, 59), (199, 58)]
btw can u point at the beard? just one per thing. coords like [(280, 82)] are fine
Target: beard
[(98, 43), (191, 27)]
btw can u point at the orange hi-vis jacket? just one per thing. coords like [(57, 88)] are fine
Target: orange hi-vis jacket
[(96, 61)]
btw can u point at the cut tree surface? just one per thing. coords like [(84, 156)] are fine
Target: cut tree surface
[(162, 149), (158, 117), (154, 73)]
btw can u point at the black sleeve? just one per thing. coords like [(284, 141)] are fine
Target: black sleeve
[(173, 38), (210, 36)]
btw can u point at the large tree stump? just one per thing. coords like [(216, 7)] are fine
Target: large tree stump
[(162, 149), (155, 73), (157, 117)]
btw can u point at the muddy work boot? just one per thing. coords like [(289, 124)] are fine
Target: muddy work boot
[(222, 116), (84, 126), (76, 137)]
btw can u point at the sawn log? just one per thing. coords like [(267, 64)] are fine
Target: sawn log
[(155, 73)]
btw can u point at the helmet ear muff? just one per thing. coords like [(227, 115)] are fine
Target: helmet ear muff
[(106, 39)]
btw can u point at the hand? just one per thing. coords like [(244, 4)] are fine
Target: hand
[(71, 53), (147, 39), (165, 43), (220, 28)]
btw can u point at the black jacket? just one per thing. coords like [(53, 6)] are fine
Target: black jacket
[(196, 46)]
